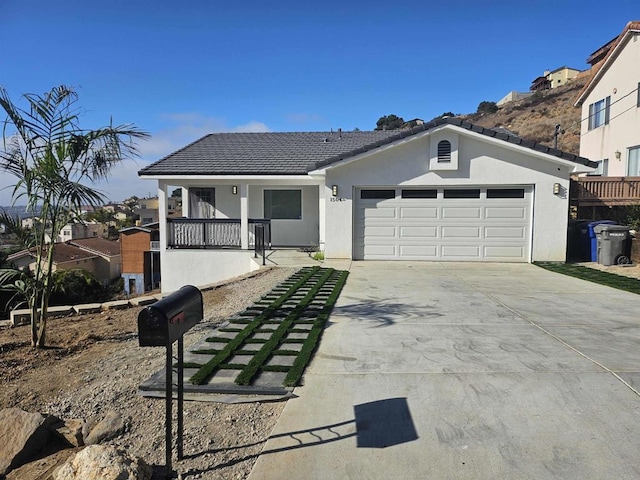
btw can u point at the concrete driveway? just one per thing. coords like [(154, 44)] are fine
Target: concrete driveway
[(466, 371)]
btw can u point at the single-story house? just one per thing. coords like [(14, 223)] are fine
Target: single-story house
[(446, 190), (98, 256)]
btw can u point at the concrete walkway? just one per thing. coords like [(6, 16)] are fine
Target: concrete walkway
[(466, 371)]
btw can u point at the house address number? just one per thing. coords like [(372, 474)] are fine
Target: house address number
[(338, 199)]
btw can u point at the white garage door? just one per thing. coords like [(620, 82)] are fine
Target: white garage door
[(456, 224)]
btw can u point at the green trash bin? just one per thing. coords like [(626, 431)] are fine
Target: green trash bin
[(613, 244)]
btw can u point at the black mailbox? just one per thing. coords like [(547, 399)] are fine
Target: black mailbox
[(167, 320)]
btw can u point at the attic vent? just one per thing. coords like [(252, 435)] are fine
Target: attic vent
[(444, 151)]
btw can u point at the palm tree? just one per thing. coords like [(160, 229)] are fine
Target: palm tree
[(55, 163)]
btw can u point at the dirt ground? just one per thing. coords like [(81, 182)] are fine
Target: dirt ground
[(93, 364)]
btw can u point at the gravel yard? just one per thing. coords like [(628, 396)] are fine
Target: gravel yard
[(94, 365)]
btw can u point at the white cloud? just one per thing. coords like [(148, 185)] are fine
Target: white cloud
[(185, 128), (181, 129)]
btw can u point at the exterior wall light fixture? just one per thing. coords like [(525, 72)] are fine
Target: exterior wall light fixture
[(618, 154), (234, 189), (334, 190), (556, 188)]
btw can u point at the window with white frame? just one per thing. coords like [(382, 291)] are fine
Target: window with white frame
[(633, 162), (283, 204), (599, 113), (603, 168)]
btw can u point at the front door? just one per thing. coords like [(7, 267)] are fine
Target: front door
[(202, 203)]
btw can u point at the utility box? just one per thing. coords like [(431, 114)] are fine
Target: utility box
[(613, 244), (167, 320)]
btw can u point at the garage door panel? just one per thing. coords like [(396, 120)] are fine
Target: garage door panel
[(500, 252), (417, 212), (459, 251), (505, 212), (461, 212), (380, 212), (427, 252), (486, 228), (418, 232), (505, 232), (380, 250), (385, 232), (460, 232)]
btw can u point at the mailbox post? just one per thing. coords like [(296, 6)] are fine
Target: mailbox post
[(161, 325)]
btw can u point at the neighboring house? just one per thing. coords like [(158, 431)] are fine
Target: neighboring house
[(554, 79), (541, 83), (562, 76), (74, 230), (140, 247), (147, 211), (610, 104), (610, 131), (447, 190), (109, 261), (95, 256)]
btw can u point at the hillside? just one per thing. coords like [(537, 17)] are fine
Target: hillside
[(535, 118)]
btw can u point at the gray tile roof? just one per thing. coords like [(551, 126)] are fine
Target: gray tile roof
[(297, 153)]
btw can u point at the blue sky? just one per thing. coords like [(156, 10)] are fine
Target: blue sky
[(182, 69)]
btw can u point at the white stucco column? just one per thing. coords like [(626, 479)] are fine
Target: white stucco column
[(322, 211), (162, 221), (244, 216), (185, 202)]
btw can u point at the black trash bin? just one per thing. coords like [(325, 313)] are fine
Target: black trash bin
[(613, 244)]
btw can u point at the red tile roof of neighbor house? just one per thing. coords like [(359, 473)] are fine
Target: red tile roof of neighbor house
[(599, 68), (98, 245)]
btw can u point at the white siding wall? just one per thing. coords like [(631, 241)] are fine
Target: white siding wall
[(622, 132), (480, 163)]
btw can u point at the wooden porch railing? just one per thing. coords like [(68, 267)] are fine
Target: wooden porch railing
[(212, 232), (605, 191)]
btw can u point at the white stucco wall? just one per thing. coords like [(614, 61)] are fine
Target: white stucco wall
[(620, 79), (481, 163), (289, 233), (202, 267)]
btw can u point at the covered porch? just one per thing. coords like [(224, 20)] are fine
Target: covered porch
[(228, 225)]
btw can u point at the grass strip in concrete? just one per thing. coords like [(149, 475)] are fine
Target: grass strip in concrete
[(287, 324), (247, 374), (313, 339), (596, 276), (209, 369)]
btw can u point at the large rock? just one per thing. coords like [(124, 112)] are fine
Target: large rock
[(22, 436), (109, 427), (71, 431), (103, 462)]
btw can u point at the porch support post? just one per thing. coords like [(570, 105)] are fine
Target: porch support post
[(322, 206), (244, 216), (162, 222)]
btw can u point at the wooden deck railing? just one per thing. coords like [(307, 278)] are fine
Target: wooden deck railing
[(605, 191), (212, 232)]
